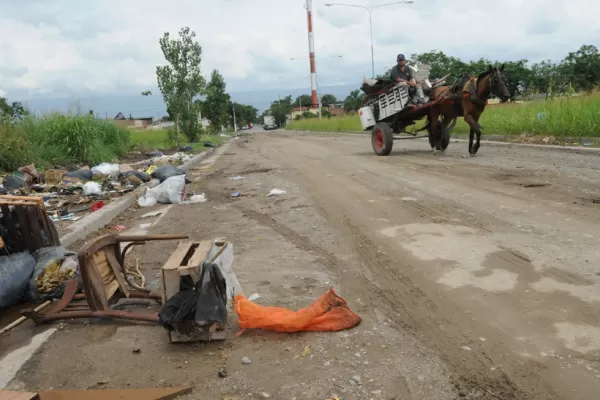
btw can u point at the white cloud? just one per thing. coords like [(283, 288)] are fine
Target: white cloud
[(68, 47)]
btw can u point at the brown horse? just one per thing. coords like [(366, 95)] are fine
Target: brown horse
[(467, 98)]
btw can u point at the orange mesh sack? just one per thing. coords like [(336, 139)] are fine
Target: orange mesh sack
[(330, 313)]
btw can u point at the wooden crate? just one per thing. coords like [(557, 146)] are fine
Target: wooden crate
[(187, 260), (26, 225)]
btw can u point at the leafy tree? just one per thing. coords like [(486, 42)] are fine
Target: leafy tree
[(243, 114), (181, 80), (354, 101), (582, 68), (280, 109), (328, 99), (12, 112), (306, 100), (216, 105)]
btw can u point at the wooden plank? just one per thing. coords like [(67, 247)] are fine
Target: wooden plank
[(12, 395), (170, 271), (116, 269), (9, 224), (115, 394), (223, 257), (20, 320), (25, 231), (34, 226), (194, 265)]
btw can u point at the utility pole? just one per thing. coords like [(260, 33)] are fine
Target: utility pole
[(234, 123)]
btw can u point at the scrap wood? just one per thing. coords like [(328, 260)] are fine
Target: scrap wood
[(12, 395), (115, 394), (20, 320)]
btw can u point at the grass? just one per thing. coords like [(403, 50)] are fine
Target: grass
[(568, 117), (72, 139), (159, 139)]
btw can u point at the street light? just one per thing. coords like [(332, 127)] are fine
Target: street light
[(370, 22)]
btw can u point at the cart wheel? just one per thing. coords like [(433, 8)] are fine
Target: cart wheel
[(382, 139)]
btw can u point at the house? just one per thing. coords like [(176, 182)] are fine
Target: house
[(301, 110), (131, 122), (336, 110)]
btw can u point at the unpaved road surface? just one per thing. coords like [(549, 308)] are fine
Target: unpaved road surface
[(477, 278)]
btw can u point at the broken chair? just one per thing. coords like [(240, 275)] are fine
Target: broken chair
[(105, 283)]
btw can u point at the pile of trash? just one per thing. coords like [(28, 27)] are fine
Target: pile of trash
[(69, 195), (26, 277)]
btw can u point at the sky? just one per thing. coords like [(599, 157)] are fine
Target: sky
[(74, 49)]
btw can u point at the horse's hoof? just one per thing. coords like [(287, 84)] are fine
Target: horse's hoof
[(473, 155), (436, 152)]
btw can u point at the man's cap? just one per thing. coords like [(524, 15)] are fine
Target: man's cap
[(400, 57)]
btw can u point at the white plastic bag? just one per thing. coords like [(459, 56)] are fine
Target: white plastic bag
[(198, 198), (92, 188), (106, 169), (276, 192), (146, 201), (172, 190)]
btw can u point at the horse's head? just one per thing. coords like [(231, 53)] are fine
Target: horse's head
[(498, 85)]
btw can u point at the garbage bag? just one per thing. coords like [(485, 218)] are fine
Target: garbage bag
[(14, 181), (15, 272), (329, 313), (83, 174), (92, 188), (198, 305), (54, 267), (155, 154), (144, 177), (146, 201), (106, 169), (185, 148), (166, 171), (171, 191), (3, 190)]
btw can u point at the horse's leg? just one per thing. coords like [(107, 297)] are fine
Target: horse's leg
[(478, 132), (434, 135), (474, 129)]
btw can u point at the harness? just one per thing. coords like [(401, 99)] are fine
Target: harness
[(470, 92)]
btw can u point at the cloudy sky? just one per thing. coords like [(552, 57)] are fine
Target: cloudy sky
[(55, 48)]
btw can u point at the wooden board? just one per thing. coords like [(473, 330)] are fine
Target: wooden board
[(194, 265), (115, 394), (11, 395), (170, 270)]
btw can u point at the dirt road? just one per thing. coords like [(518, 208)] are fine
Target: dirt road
[(477, 278)]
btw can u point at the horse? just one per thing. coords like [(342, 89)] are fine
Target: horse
[(466, 98)]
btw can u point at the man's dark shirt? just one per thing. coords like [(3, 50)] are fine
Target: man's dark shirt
[(397, 73)]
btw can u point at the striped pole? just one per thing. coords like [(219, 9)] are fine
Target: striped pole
[(311, 54)]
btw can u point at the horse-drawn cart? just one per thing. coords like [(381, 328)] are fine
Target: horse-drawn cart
[(388, 111)]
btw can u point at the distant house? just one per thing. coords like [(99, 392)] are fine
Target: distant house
[(336, 110), (131, 122)]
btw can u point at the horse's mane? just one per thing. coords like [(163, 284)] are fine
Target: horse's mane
[(483, 74)]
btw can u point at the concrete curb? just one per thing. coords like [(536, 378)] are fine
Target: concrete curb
[(490, 140), (98, 219)]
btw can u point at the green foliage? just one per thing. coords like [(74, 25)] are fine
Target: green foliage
[(354, 100), (327, 100), (147, 93), (12, 112), (181, 80), (306, 100), (159, 140), (243, 114), (280, 109), (565, 116), (60, 139), (216, 105)]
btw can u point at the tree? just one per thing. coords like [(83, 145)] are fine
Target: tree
[(280, 109), (12, 112), (354, 101), (441, 64), (306, 101), (181, 81), (328, 99), (216, 105), (582, 68)]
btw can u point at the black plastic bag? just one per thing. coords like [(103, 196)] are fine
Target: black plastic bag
[(155, 154), (15, 271), (185, 148), (201, 304), (166, 171), (141, 175), (14, 181), (83, 174)]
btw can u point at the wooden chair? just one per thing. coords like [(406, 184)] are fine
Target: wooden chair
[(102, 268)]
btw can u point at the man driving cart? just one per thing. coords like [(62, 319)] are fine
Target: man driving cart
[(403, 74)]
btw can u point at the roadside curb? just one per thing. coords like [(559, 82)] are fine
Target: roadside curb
[(492, 140), (96, 220)]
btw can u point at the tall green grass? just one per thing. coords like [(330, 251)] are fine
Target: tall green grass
[(568, 117), (60, 139)]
